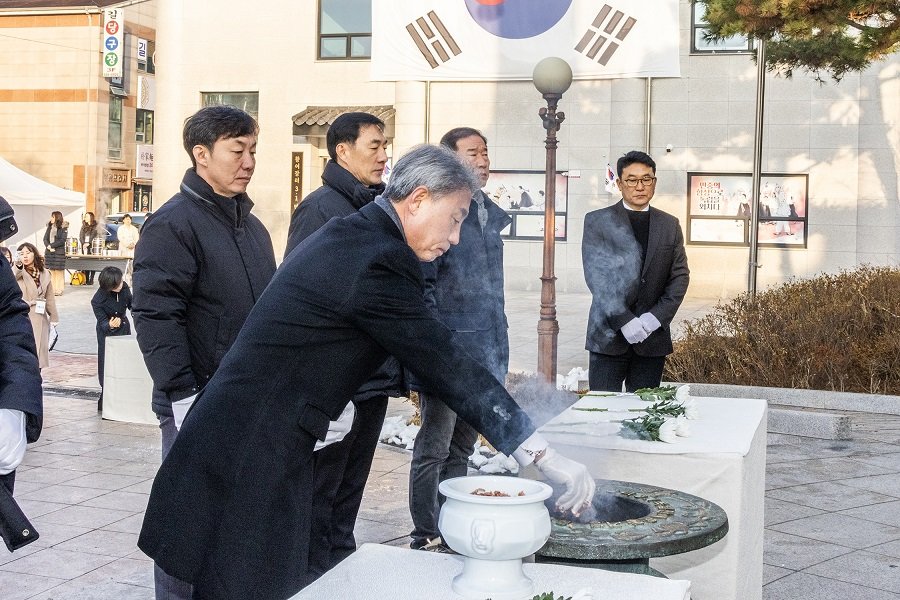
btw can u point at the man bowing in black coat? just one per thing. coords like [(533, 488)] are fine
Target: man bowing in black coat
[(230, 506)]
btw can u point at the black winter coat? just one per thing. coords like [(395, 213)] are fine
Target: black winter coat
[(468, 291), (56, 260), (86, 237), (623, 288), (230, 506), (108, 304), (465, 287), (20, 375), (341, 196), (202, 263)]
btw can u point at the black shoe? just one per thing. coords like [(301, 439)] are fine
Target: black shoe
[(417, 543), (433, 545)]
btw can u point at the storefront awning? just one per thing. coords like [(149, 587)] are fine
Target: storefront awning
[(315, 120)]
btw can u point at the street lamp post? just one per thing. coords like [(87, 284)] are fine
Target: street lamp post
[(552, 77)]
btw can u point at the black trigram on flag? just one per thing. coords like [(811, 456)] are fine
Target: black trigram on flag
[(606, 32), (432, 39)]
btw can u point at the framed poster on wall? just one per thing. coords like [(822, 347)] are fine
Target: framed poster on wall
[(522, 195), (719, 209)]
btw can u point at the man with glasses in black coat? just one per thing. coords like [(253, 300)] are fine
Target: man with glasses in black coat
[(636, 268)]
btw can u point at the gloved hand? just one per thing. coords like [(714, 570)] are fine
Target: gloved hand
[(580, 486), (12, 439), (180, 409), (649, 322), (338, 430), (634, 331)]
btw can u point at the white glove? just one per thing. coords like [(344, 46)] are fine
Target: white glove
[(12, 439), (634, 331), (580, 486), (180, 409), (649, 322), (338, 430)]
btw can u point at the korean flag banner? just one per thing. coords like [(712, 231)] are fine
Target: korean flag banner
[(457, 40)]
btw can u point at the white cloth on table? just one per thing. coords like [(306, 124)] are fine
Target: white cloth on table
[(725, 425), (723, 461), (375, 572)]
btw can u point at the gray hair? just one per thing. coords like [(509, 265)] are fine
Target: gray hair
[(436, 168)]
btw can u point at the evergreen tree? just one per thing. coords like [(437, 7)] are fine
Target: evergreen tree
[(831, 36)]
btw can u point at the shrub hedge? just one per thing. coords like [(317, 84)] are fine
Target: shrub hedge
[(832, 332)]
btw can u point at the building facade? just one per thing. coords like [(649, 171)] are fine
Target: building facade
[(62, 120), (831, 151)]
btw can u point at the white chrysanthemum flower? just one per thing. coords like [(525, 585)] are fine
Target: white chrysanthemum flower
[(667, 431), (682, 427), (691, 411), (683, 393)]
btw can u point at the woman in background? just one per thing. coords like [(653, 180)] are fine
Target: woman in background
[(55, 246), (86, 238), (128, 236), (109, 304), (37, 291), (7, 254)]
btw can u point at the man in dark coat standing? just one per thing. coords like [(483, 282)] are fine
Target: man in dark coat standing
[(21, 405), (467, 297), (636, 268), (344, 300), (202, 262), (351, 180)]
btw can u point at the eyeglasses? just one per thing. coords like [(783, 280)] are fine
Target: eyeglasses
[(646, 180)]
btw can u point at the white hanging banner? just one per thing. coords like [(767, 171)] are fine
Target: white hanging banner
[(429, 40), (113, 36)]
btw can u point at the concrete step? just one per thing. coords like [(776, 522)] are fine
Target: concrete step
[(818, 414), (816, 399), (807, 422)]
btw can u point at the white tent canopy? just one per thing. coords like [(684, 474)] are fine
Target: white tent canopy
[(33, 200)]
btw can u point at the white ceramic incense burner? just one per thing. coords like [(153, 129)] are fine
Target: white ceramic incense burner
[(494, 533)]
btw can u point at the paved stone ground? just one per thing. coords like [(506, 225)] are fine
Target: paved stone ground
[(832, 522)]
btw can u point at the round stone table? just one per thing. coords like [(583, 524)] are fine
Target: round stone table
[(634, 523)]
